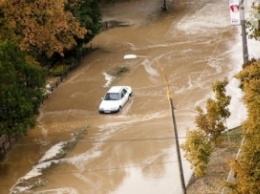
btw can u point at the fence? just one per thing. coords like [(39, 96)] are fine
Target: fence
[(51, 87), (6, 143)]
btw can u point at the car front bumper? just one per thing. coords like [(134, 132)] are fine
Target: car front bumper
[(108, 111)]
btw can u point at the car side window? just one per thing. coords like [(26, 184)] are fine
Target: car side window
[(122, 94), (107, 97), (124, 91)]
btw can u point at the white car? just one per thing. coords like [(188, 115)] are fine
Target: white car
[(115, 99)]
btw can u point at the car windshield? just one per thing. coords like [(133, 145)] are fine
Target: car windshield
[(112, 96)]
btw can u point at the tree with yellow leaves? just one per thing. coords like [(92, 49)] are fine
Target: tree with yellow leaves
[(200, 142), (247, 166), (42, 26)]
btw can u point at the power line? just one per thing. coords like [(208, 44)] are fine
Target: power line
[(126, 140)]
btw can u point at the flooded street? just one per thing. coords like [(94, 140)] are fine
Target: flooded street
[(75, 150)]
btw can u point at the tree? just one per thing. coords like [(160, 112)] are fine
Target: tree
[(88, 14), (212, 121), (5, 31), (164, 7), (198, 149), (42, 26), (247, 166), (21, 86), (201, 141), (253, 24)]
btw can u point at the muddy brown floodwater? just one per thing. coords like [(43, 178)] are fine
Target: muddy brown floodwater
[(74, 149)]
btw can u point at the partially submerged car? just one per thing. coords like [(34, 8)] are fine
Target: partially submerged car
[(115, 99)]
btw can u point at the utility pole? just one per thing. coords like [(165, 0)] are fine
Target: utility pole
[(169, 95), (178, 148), (243, 31)]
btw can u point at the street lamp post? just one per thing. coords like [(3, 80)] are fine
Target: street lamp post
[(169, 96)]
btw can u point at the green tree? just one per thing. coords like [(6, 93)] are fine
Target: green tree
[(88, 14), (21, 86), (247, 166)]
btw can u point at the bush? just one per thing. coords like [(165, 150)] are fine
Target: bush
[(58, 70)]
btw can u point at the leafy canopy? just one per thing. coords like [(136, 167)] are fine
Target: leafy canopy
[(201, 141), (212, 121), (42, 26), (247, 167), (21, 86), (198, 149), (253, 24)]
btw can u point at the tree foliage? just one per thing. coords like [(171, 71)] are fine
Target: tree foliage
[(21, 86), (253, 24), (88, 14), (198, 149), (212, 121), (200, 142), (247, 167), (42, 26)]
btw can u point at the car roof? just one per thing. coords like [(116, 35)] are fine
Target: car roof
[(116, 89)]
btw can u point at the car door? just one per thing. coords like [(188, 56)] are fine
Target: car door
[(124, 96)]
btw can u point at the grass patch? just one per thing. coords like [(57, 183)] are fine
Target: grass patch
[(228, 145), (120, 71), (58, 70), (230, 137)]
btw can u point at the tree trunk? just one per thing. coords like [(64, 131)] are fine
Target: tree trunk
[(164, 8)]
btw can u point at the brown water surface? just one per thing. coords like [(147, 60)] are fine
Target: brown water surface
[(132, 151)]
